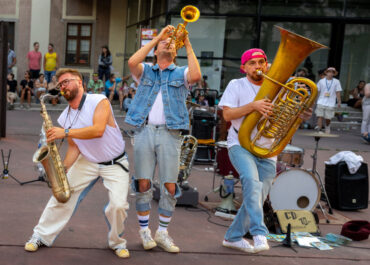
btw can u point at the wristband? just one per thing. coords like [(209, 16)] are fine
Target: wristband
[(66, 132)]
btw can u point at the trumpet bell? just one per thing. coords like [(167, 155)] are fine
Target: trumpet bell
[(190, 13)]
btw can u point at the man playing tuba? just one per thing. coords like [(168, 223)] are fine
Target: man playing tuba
[(256, 174), (159, 113)]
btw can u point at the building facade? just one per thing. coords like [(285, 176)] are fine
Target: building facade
[(226, 28), (77, 28)]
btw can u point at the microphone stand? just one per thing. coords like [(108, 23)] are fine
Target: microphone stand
[(6, 173)]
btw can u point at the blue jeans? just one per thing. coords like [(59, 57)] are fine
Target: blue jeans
[(49, 75), (155, 144), (126, 103), (366, 138), (256, 175), (104, 72)]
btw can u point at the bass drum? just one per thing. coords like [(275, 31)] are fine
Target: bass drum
[(295, 189)]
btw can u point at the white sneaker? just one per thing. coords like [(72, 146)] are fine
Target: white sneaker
[(33, 244), (260, 243), (146, 238), (122, 253), (242, 245), (166, 242)]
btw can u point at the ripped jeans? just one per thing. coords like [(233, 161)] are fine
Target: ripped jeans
[(155, 144)]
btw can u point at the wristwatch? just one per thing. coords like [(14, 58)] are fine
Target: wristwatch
[(66, 132)]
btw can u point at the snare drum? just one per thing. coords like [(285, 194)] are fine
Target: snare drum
[(224, 166), (291, 156), (295, 189)]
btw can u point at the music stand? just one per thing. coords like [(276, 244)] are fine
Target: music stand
[(317, 137), (5, 174), (287, 242), (40, 178)]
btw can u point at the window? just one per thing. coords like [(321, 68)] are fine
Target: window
[(78, 44), (11, 35)]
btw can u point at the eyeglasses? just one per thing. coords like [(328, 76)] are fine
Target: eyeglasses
[(64, 83)]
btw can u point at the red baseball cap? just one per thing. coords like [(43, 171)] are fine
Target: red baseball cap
[(251, 54)]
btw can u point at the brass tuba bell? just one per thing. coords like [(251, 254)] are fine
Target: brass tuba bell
[(289, 102), (188, 14)]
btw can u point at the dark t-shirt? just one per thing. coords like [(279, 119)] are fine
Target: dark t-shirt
[(24, 83), (12, 85)]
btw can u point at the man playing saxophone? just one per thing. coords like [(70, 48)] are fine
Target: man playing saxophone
[(159, 113), (256, 174), (95, 148)]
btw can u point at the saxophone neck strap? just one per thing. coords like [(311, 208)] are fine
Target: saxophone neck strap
[(82, 101)]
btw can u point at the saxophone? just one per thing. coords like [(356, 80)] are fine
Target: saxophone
[(48, 156), (188, 150)]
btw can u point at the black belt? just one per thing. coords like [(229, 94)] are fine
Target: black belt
[(114, 162)]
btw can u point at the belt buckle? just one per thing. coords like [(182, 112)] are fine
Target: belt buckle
[(112, 162)]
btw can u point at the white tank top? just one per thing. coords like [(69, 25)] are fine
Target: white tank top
[(96, 150)]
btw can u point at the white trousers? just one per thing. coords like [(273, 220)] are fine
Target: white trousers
[(82, 176)]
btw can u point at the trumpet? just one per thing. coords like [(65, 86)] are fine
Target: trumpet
[(188, 14)]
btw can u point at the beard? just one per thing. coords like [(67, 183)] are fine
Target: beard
[(71, 94), (255, 77)]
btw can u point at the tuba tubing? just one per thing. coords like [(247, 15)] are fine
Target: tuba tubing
[(293, 49)]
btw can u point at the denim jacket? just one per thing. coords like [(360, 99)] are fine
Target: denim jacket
[(174, 93)]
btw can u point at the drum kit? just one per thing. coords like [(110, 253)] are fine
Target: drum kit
[(293, 188)]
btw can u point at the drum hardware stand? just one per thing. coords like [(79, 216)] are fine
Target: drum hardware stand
[(6, 173), (215, 164), (323, 190)]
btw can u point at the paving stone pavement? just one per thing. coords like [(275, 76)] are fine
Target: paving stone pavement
[(84, 239)]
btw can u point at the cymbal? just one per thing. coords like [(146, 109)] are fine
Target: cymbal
[(192, 103), (319, 134)]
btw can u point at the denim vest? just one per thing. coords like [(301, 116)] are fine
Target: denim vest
[(174, 93)]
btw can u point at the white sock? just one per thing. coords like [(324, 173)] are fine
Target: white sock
[(163, 223), (143, 221)]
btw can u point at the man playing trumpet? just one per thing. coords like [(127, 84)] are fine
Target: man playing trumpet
[(159, 113)]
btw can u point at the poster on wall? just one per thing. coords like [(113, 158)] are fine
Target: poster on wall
[(146, 36)]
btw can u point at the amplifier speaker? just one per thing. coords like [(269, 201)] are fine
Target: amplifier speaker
[(347, 191), (202, 129)]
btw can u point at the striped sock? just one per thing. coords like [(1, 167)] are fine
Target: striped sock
[(163, 223), (143, 221)]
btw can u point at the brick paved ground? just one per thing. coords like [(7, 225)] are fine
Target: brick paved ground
[(83, 241)]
